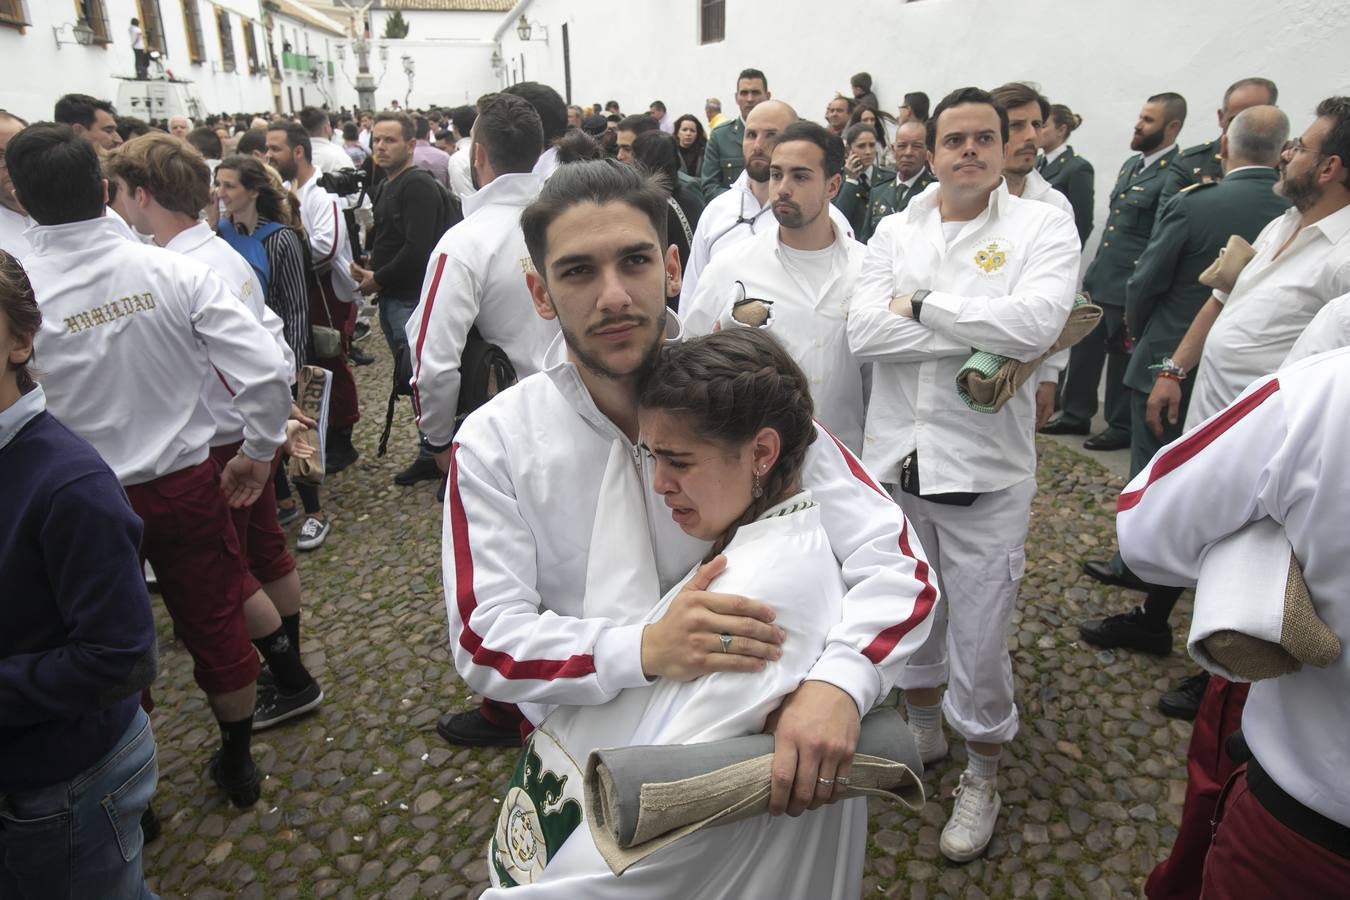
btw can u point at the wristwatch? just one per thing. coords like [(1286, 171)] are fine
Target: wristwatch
[(916, 302)]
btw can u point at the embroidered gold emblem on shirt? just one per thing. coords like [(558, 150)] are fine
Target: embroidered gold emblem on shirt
[(991, 258)]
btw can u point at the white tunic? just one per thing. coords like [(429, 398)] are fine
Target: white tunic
[(521, 506), (129, 335), (1271, 304), (461, 165), (202, 244), (1329, 330), (811, 325), (476, 276), (1277, 452), (731, 216), (328, 156), (783, 559), (1005, 284)]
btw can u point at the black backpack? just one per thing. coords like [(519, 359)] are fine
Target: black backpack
[(484, 372)]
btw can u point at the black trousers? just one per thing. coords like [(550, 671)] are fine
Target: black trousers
[(142, 63), (1105, 345)]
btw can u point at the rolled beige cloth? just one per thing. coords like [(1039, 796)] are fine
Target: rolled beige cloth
[(1222, 274), (640, 799), (987, 380), (1254, 617)]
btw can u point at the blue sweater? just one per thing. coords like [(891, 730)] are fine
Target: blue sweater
[(78, 641)]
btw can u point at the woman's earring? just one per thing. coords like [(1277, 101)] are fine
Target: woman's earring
[(755, 490)]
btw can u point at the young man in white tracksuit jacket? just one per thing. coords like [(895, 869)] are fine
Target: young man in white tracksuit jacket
[(476, 273), (130, 334), (525, 474), (965, 266)]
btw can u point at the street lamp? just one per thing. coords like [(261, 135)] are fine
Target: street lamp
[(525, 29), (80, 31)]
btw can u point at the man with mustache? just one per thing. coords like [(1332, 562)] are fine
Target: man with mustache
[(1134, 204), (799, 276), (740, 212), (912, 175), (967, 265)]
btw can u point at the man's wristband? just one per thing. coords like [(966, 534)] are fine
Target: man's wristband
[(916, 302), (1169, 369)]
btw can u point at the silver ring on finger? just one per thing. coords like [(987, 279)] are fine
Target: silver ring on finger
[(726, 642), (825, 782), (839, 779)]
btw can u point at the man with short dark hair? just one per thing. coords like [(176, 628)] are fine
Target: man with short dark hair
[(837, 112), (474, 277), (657, 110), (723, 161), (412, 211), (130, 334), (552, 112), (327, 156), (915, 108), (253, 143), (803, 273), (208, 145), (461, 161), (429, 157), (1204, 163), (574, 117), (1134, 204), (966, 265), (628, 131), (92, 119)]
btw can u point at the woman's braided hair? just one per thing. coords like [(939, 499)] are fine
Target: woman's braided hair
[(730, 384)]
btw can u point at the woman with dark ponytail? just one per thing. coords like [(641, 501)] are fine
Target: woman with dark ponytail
[(1066, 171)]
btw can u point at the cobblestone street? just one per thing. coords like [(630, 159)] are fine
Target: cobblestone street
[(363, 799)]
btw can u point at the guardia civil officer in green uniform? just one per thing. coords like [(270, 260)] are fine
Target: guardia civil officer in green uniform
[(1134, 200), (1162, 298), (1202, 163), (1066, 171), (722, 159), (862, 177), (912, 176)]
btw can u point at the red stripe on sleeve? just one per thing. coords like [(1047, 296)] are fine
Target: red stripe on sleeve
[(882, 645), (577, 666), (427, 303), (1181, 452)]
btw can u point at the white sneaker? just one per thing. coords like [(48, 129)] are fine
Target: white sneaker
[(932, 744), (972, 823), (313, 533)]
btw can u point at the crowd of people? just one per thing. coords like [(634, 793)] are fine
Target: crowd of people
[(689, 387)]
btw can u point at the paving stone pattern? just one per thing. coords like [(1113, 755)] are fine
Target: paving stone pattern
[(364, 800)]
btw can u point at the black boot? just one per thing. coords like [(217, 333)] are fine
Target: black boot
[(339, 450)]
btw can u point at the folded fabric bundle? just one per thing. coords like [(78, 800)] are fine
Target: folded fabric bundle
[(314, 390), (1254, 617), (987, 380), (640, 799), (1223, 273)]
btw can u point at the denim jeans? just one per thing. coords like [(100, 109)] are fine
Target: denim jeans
[(394, 315), (82, 838)]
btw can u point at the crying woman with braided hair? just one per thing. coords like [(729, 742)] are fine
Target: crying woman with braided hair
[(726, 422)]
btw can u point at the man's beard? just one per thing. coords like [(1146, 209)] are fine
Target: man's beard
[(1147, 143), (762, 175), (1300, 190), (796, 218), (286, 170), (596, 366)]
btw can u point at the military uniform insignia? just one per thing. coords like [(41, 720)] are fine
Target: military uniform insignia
[(991, 258)]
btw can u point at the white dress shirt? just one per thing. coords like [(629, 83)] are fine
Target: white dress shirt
[(461, 170), (812, 325), (330, 247), (12, 228), (1329, 330), (1004, 284), (1271, 304), (328, 156)]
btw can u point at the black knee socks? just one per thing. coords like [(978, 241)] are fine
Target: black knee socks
[(235, 738), (292, 625), (283, 658), (1158, 605)]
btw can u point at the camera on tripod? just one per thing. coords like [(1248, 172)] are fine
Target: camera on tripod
[(344, 182)]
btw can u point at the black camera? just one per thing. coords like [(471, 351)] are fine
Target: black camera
[(344, 182)]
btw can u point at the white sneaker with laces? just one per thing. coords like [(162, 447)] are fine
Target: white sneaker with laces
[(313, 533), (972, 823), (932, 744)]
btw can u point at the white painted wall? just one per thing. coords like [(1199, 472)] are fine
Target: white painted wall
[(428, 25), (1101, 57), (37, 72)]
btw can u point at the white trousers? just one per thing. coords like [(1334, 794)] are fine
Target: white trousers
[(979, 554)]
